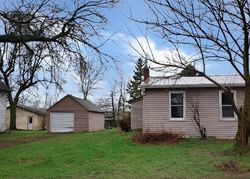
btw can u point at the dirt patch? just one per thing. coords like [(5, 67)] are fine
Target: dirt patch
[(237, 151), (22, 140), (233, 167)]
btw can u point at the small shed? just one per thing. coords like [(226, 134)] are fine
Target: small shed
[(28, 118), (136, 113), (73, 114)]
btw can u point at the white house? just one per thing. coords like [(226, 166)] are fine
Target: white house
[(3, 106)]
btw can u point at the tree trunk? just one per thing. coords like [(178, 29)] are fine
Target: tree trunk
[(113, 109), (85, 95), (244, 120), (13, 105), (12, 116)]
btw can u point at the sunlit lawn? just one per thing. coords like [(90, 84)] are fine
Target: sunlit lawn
[(111, 154)]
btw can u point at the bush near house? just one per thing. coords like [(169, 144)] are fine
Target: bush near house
[(125, 122), (156, 137)]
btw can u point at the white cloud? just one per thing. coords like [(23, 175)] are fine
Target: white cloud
[(147, 48)]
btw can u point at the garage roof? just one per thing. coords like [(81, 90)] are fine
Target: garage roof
[(91, 107), (86, 104)]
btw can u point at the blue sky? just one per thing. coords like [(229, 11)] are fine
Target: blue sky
[(121, 27)]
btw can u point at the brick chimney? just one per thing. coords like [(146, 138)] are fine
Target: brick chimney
[(145, 73)]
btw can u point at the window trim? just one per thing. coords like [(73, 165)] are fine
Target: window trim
[(221, 118), (184, 106)]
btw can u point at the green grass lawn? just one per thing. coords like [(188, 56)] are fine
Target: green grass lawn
[(111, 154)]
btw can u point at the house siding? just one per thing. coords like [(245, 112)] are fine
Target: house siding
[(3, 106), (22, 119), (96, 121), (156, 112), (69, 105), (136, 115)]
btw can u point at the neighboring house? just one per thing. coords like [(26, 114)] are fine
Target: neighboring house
[(167, 104), (3, 105), (109, 121), (72, 114), (28, 118), (136, 113)]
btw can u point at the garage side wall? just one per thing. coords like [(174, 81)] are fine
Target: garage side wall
[(136, 115), (96, 121), (69, 105)]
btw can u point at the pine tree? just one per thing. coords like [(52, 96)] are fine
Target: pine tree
[(133, 87), (189, 71)]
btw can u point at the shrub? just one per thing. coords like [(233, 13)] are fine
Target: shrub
[(156, 137), (125, 123)]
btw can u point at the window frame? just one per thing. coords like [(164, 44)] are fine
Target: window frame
[(220, 106), (184, 106)]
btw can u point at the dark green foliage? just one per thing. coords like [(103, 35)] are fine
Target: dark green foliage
[(125, 122), (133, 87), (188, 71)]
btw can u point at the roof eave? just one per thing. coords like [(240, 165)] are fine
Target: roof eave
[(72, 97), (97, 111), (29, 110), (135, 100), (57, 102), (190, 86)]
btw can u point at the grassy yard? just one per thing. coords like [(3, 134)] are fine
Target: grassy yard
[(111, 154)]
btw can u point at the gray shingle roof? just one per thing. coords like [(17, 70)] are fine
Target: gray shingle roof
[(39, 111), (87, 104), (193, 82)]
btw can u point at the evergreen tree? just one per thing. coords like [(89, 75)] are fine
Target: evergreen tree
[(188, 71), (133, 87)]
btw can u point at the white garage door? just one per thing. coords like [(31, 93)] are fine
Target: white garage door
[(61, 122)]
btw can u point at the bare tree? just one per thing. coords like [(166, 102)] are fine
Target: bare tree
[(51, 95), (105, 104), (116, 99), (194, 106), (22, 69), (122, 97), (109, 104), (30, 98), (53, 21), (87, 76), (40, 37), (217, 31), (113, 106)]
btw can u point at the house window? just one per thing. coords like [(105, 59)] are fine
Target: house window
[(226, 108), (177, 105)]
